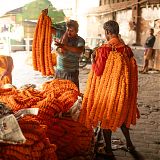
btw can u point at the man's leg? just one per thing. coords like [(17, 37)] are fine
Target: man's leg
[(147, 56), (146, 62), (126, 133), (107, 137)]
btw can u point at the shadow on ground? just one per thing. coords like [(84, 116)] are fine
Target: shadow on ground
[(136, 155)]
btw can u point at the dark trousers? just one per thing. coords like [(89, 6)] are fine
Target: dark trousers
[(73, 76)]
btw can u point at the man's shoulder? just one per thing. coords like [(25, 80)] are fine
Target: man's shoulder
[(127, 46), (80, 39), (104, 47), (154, 36)]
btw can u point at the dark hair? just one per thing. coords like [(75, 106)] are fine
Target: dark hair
[(72, 23), (111, 26), (151, 29)]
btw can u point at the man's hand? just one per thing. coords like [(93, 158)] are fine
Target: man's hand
[(60, 47), (58, 44), (45, 11), (93, 56)]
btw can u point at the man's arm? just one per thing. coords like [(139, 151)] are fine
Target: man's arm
[(100, 56), (74, 49), (65, 47)]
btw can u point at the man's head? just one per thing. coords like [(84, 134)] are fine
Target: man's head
[(111, 27), (72, 28), (151, 31)]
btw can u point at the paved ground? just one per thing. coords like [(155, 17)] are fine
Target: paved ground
[(145, 135)]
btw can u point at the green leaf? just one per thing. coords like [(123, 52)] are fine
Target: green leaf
[(32, 11)]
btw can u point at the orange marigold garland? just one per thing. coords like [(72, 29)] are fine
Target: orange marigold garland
[(41, 48), (111, 101)]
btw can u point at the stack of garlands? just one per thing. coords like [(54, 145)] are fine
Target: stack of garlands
[(63, 131), (54, 100), (36, 147), (72, 138), (43, 60)]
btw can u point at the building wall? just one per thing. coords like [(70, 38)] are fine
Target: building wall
[(29, 29), (95, 25), (80, 12), (150, 18), (123, 18)]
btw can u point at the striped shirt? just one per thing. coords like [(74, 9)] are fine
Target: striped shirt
[(69, 61)]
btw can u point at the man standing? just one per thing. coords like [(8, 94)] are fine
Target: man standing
[(149, 52), (69, 49), (111, 93)]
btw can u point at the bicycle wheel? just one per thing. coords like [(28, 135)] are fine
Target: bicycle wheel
[(83, 61)]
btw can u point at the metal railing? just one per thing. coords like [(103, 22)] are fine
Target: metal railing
[(8, 47)]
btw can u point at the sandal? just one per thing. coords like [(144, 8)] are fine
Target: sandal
[(104, 156), (143, 72), (109, 155)]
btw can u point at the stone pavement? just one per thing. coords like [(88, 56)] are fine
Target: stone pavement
[(145, 135)]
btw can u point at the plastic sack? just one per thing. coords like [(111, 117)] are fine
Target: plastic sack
[(10, 131), (75, 109)]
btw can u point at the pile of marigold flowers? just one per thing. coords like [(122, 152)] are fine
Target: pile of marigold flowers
[(50, 135)]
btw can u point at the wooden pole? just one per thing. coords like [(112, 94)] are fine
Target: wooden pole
[(136, 20)]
